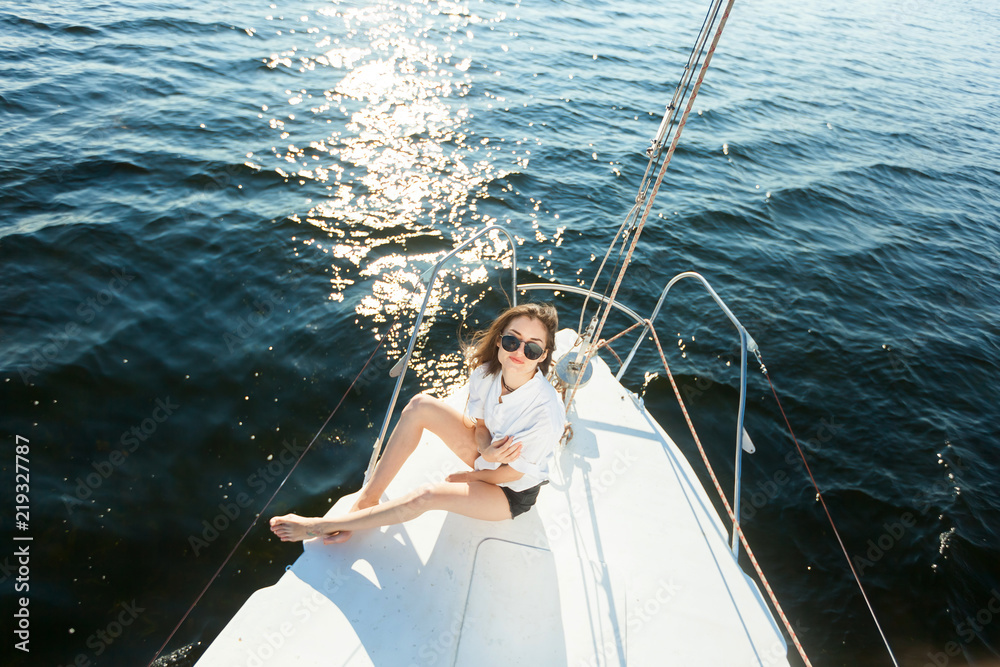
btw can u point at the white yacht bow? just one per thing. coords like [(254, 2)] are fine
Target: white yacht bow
[(622, 561)]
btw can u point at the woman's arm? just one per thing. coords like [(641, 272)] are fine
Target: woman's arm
[(502, 451), (483, 437)]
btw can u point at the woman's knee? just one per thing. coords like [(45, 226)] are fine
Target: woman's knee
[(424, 498), (419, 407)]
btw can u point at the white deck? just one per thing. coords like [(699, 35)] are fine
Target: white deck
[(622, 561)]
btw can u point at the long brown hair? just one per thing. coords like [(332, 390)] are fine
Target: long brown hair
[(484, 350)]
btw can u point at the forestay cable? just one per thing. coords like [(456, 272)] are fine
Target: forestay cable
[(648, 203), (655, 150)]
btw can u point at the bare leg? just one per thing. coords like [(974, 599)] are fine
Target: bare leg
[(478, 500), (422, 412)]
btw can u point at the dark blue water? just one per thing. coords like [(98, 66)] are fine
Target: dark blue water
[(209, 214)]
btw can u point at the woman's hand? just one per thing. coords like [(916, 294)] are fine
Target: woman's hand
[(464, 476), (503, 450)]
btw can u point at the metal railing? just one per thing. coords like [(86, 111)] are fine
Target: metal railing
[(399, 369), (573, 289), (747, 344)]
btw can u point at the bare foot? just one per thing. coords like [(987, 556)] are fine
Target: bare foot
[(360, 503), (294, 528)]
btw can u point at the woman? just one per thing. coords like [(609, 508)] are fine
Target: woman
[(512, 422)]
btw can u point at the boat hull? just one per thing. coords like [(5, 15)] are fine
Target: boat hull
[(622, 561)]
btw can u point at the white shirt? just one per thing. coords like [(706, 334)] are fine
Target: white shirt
[(532, 414)]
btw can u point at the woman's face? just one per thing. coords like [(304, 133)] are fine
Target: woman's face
[(527, 329)]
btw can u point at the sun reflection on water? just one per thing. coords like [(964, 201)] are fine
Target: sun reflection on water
[(376, 126)]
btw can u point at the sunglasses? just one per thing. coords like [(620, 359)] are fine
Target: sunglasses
[(532, 350)]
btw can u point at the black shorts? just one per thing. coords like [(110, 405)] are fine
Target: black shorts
[(521, 501)]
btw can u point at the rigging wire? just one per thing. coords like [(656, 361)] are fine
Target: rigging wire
[(826, 510), (655, 150), (591, 348), (266, 505)]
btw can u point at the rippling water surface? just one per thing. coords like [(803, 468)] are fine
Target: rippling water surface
[(211, 215)]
